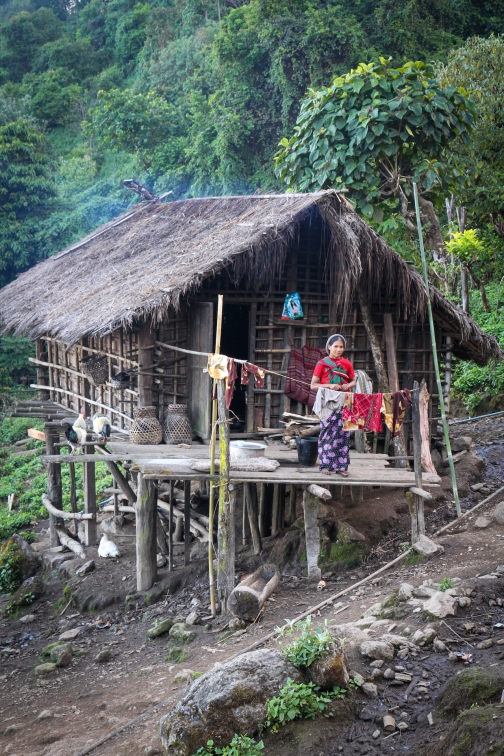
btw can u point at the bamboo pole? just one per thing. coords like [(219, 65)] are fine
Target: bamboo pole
[(435, 357), (211, 504)]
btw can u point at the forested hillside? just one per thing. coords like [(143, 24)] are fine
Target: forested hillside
[(194, 96)]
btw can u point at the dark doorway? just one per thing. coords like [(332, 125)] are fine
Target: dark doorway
[(235, 343)]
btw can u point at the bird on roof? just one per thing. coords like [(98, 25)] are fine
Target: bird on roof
[(75, 436), (107, 548), (101, 426)]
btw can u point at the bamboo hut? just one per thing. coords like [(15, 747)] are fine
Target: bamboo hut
[(152, 276)]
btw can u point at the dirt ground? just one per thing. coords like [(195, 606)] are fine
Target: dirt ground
[(87, 700)]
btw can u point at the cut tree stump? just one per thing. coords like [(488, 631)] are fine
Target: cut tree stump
[(247, 599)]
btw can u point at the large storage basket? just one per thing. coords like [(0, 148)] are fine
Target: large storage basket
[(95, 368), (146, 428), (177, 426)]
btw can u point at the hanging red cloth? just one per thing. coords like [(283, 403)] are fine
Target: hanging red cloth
[(230, 381), (257, 372), (364, 412)]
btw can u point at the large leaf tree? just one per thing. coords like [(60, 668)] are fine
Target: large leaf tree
[(374, 132)]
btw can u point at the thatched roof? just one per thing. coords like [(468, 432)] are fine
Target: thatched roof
[(145, 260)]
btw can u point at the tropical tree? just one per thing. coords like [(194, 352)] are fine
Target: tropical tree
[(375, 131)]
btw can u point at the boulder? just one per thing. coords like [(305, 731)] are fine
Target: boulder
[(32, 588), (45, 669), (405, 592), (498, 514), (162, 627), (230, 698), (441, 605), (181, 633), (56, 649), (69, 635), (482, 522), (330, 670), (370, 690), (348, 534), (19, 554), (193, 618), (104, 656), (462, 443), (437, 460), (112, 525), (426, 547), (377, 650), (64, 659), (28, 619), (373, 611), (85, 568)]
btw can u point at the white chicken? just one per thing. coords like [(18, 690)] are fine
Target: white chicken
[(75, 437), (101, 426), (81, 421), (107, 548)]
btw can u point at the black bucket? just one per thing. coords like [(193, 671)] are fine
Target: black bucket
[(307, 449)]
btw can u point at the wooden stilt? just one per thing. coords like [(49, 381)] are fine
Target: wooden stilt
[(281, 505), (292, 504), (253, 515), (116, 504), (170, 529), (415, 502), (312, 534), (161, 536), (226, 531), (146, 534), (187, 521), (73, 487), (54, 487), (90, 532), (274, 511), (262, 509), (245, 526)]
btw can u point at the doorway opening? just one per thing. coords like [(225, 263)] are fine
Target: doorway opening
[(235, 343)]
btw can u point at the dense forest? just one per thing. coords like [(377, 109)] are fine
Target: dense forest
[(195, 96)]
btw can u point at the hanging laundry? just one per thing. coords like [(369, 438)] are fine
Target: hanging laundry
[(393, 407), (292, 309), (232, 375), (300, 372), (217, 366), (327, 402), (364, 413), (364, 384), (257, 372)]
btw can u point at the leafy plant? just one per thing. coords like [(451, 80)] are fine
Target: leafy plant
[(445, 584), (241, 745), (298, 701), (311, 644), (10, 576)]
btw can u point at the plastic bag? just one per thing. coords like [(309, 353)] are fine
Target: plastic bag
[(292, 309)]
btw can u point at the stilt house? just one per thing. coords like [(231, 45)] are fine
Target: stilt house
[(151, 277)]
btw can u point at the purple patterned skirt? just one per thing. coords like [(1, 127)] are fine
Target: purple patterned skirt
[(334, 444)]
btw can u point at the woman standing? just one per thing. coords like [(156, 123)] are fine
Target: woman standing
[(336, 373)]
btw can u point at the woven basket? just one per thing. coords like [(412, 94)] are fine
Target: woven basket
[(146, 428), (177, 427), (120, 384), (96, 368)]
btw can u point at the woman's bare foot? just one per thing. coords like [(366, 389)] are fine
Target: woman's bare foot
[(343, 473), (326, 472)]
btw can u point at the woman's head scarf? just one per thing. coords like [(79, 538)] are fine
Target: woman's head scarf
[(332, 339)]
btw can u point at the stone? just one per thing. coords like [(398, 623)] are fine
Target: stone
[(181, 634), (85, 568), (69, 635), (193, 618), (424, 591), (55, 649), (405, 592), (370, 690), (439, 646), (441, 605), (64, 659), (330, 670), (55, 561), (104, 656), (437, 460), (112, 525), (150, 751), (356, 676), (477, 486), (402, 726), (376, 734), (462, 443), (377, 663), (498, 514), (389, 724), (27, 561), (418, 638), (425, 636), (45, 714), (488, 643), (402, 677), (348, 534), (45, 669), (380, 624), (236, 624), (31, 588), (160, 628), (464, 601), (28, 619), (373, 611), (230, 698), (161, 561), (184, 676), (426, 546), (482, 522), (377, 673), (377, 650), (389, 674)]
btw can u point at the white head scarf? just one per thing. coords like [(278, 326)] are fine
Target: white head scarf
[(332, 339)]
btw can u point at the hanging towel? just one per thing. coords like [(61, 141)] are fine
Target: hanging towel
[(328, 401), (217, 366), (300, 372), (364, 384)]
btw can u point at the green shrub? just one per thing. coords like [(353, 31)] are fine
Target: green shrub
[(241, 745), (10, 575), (311, 644), (445, 584), (298, 701)]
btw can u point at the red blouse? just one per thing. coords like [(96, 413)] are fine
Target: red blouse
[(323, 371)]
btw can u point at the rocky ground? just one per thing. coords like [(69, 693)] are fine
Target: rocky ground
[(113, 671)]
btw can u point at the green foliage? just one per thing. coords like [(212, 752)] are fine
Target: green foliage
[(466, 246), (53, 95), (23, 35), (298, 701), (374, 131), (10, 576), (311, 643), (445, 584), (241, 745)]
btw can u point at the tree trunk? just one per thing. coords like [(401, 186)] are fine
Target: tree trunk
[(433, 235), (481, 286), (381, 373)]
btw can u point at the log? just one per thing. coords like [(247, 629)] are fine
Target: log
[(196, 528), (321, 493), (247, 599), (146, 534), (120, 480), (54, 487), (38, 435), (274, 509), (74, 546), (421, 492), (65, 515), (90, 502), (187, 521), (414, 496), (226, 527), (111, 508)]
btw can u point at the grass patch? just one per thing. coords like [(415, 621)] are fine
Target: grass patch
[(177, 655), (412, 558), (351, 554)]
